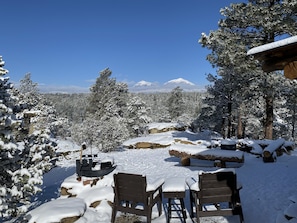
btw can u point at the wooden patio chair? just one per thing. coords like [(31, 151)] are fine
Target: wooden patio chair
[(133, 195), (216, 194)]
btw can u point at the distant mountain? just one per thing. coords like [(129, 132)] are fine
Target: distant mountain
[(140, 87), (148, 87), (179, 81)]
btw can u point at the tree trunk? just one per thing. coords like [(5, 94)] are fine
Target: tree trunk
[(269, 117), (239, 126), (223, 128), (229, 120), (293, 121)]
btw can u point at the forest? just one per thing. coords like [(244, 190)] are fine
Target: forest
[(241, 101)]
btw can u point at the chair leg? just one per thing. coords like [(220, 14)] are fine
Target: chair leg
[(182, 203), (159, 202), (198, 209), (241, 214), (149, 219), (169, 211), (113, 216), (191, 204), (149, 215)]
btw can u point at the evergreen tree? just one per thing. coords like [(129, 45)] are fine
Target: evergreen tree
[(108, 96), (245, 26), (29, 93), (43, 115), (175, 103), (137, 116), (107, 108), (21, 167)]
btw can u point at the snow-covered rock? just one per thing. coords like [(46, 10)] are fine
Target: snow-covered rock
[(57, 210)]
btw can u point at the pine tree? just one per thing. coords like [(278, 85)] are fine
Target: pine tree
[(21, 167), (245, 26), (107, 94), (175, 103), (107, 108), (44, 115), (137, 116), (29, 93)]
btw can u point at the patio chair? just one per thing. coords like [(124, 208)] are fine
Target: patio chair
[(133, 195), (216, 194)]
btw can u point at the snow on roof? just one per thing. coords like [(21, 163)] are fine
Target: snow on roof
[(271, 46)]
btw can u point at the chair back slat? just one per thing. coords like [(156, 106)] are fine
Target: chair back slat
[(130, 196), (218, 195), (130, 187), (217, 187)]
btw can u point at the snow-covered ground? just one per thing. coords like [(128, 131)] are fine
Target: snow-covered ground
[(268, 188)]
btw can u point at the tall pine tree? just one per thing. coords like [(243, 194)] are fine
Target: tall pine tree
[(247, 25)]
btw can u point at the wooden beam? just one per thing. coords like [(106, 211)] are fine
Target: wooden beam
[(290, 70), (278, 58)]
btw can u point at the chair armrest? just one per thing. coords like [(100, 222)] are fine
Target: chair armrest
[(154, 185), (192, 184)]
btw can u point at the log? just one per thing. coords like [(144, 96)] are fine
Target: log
[(185, 161), (274, 148), (237, 156), (212, 155)]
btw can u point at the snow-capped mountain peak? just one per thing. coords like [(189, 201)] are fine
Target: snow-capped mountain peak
[(179, 81), (145, 86)]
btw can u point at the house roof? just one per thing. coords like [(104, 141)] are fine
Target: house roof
[(276, 55)]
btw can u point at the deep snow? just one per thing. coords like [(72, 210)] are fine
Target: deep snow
[(268, 188)]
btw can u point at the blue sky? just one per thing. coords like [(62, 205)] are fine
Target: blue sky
[(68, 42)]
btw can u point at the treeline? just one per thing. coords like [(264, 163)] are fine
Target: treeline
[(74, 106), (110, 114)]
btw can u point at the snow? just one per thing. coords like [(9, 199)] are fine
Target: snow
[(203, 150), (271, 46), (152, 186), (58, 209), (268, 189), (228, 142), (163, 139), (274, 146), (164, 125), (176, 184), (179, 81), (190, 149)]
